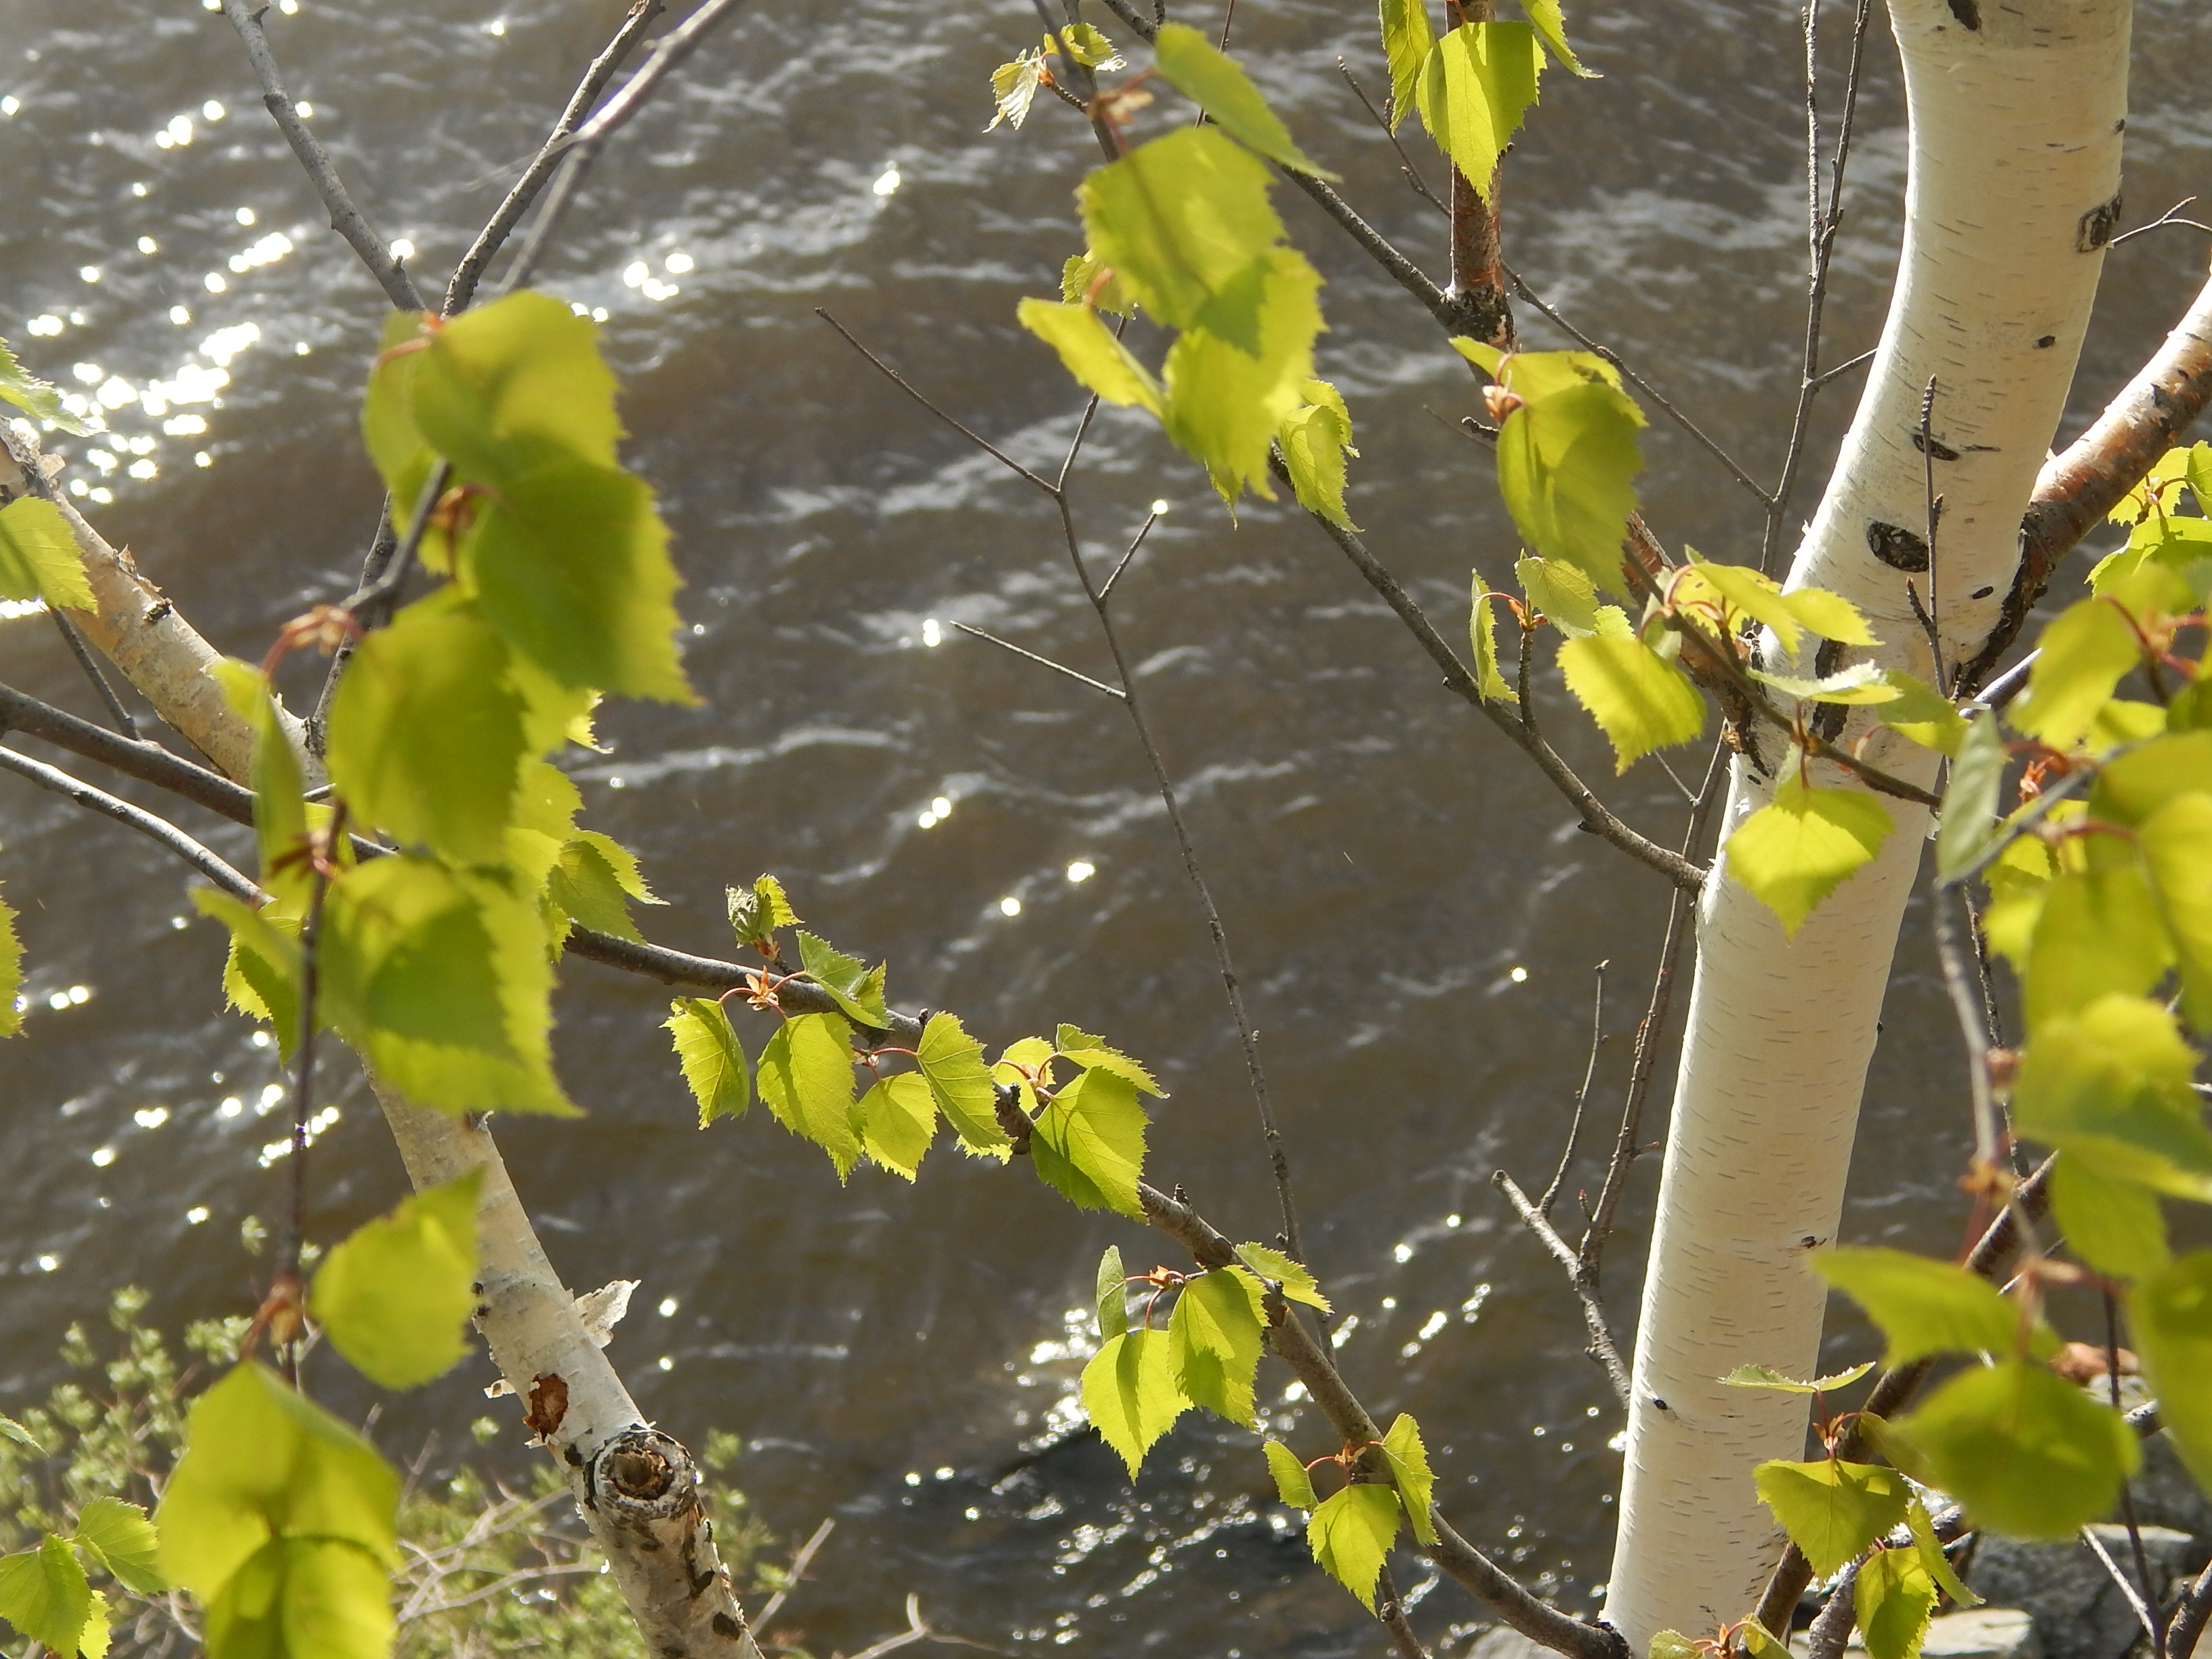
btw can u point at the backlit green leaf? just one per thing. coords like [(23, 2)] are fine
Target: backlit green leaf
[(1215, 1336), (2131, 788), (1113, 1295), (1089, 1143), (2170, 1314), (1923, 714), (1561, 591), (898, 1120), (1408, 36), (1672, 1645), (403, 456), (1130, 1394), (1292, 1483), (1089, 350), (1088, 47), (395, 1297), (1350, 1534), (426, 734), (122, 1539), (2115, 1226), (261, 974), (1742, 594), (11, 974), (2110, 1086), (1474, 88), (298, 1597), (1181, 219), (2099, 932), (1228, 398), (1567, 463), (43, 1594), (2024, 1451), (1804, 844), (1222, 89), (2176, 845), (33, 396), (1014, 88), (806, 1077), (2082, 656), (1970, 803), (756, 912), (92, 1641), (11, 1429), (1080, 284), (1932, 1556), (1928, 1307), (262, 1461), (713, 1060), (1640, 700), (1861, 682), (571, 566), (1314, 442), (1893, 1596), (1832, 1510), (1296, 1279), (856, 988), (1765, 1377), (504, 388), (1551, 27), (280, 813), (1482, 636), (1080, 1048), (588, 886), (1409, 1467), (953, 1061), (39, 558)]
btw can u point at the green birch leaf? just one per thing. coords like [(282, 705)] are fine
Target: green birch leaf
[(2025, 1451), (1562, 593), (1214, 1336), (1089, 1143), (1928, 1307), (507, 386), (856, 988), (1800, 848), (713, 1060), (1552, 27), (1970, 803), (1314, 442), (756, 912), (587, 887), (1113, 1295), (280, 811), (2132, 787), (263, 1461), (1760, 1643), (1014, 88), (1080, 1048), (1089, 350), (1932, 1557), (1180, 220), (11, 986), (1567, 463), (1350, 1534), (123, 1540), (2111, 1087), (1893, 1596), (395, 1298), (898, 1120), (1081, 283), (261, 974), (403, 456), (1227, 399), (806, 1077), (2115, 1226), (1090, 48), (1861, 682), (1296, 1279), (1832, 1510), (11, 1429), (571, 566), (92, 1641), (297, 1597), (39, 558), (33, 396), (2099, 933), (953, 1061), (426, 733), (1744, 593), (1220, 86), (2176, 844), (1130, 1394), (1640, 700), (2170, 1314), (1409, 1467), (1474, 88), (1482, 635), (1672, 1645), (1027, 1061), (1831, 615), (1408, 37), (1765, 1377), (43, 1594), (1292, 1483), (2083, 657), (1925, 716)]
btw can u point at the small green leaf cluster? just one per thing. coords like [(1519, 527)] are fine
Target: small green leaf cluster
[(44, 1591), (1015, 85), (1474, 86), (1183, 227), (1351, 1531), (1084, 1135)]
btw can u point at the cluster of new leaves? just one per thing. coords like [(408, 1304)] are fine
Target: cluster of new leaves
[(1181, 228), (1474, 84), (44, 1590), (2099, 885), (1085, 1134), (1015, 85)]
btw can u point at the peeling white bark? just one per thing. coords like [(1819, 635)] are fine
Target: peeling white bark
[(2016, 108)]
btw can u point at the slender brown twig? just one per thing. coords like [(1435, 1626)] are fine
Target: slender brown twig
[(208, 863), (1582, 1095)]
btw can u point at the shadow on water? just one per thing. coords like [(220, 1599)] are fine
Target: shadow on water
[(1415, 916)]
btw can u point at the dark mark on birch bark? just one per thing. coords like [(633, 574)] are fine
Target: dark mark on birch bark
[(1967, 12), (2098, 225), (1896, 546)]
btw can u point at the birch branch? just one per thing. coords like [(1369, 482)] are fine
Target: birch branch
[(158, 829)]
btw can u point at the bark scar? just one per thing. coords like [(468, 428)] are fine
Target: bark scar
[(2097, 226), (1967, 12), (548, 1405), (1896, 546)]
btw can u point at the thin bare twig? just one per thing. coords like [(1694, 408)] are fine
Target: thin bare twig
[(1582, 1095), (2143, 1615), (799, 1563), (1602, 1347), (921, 397), (2149, 1598), (346, 219), (1962, 983), (208, 863), (1046, 662), (1390, 1612), (1137, 541), (2168, 217), (1404, 161), (100, 683)]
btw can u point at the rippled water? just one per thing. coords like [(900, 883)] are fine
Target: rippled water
[(1415, 917)]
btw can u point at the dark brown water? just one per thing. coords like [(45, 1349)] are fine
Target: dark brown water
[(1415, 916)]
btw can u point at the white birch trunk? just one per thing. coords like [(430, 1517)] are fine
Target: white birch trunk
[(2017, 108)]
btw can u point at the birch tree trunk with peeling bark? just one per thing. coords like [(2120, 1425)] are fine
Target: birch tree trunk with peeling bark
[(2016, 114)]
